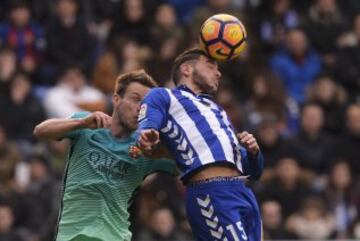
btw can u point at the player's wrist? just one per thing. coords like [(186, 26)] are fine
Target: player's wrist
[(80, 123), (253, 153)]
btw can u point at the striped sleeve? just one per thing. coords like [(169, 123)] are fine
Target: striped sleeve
[(153, 111)]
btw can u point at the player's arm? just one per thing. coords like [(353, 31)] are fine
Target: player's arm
[(158, 152), (152, 116), (253, 164), (55, 129)]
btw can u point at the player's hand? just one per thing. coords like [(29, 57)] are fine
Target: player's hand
[(97, 120), (249, 142), (148, 139), (135, 152)]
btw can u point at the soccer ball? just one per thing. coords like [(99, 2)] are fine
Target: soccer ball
[(223, 37)]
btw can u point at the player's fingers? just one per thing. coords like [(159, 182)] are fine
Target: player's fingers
[(108, 121), (154, 136), (252, 145), (151, 133), (104, 122), (98, 121), (145, 144), (251, 141), (142, 144), (102, 116), (246, 138), (101, 124), (144, 137)]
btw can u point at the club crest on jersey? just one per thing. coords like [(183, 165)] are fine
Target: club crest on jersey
[(142, 112)]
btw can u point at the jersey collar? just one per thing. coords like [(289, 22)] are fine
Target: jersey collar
[(201, 95)]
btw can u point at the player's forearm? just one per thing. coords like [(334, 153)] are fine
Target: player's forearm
[(254, 165), (160, 152), (54, 129)]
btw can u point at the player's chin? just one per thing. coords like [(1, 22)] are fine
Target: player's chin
[(133, 125), (213, 89)]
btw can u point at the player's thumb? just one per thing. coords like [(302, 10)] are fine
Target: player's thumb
[(153, 135)]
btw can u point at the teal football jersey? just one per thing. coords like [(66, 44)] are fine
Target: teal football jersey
[(99, 181)]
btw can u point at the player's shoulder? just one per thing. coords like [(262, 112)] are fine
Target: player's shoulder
[(158, 95), (159, 91)]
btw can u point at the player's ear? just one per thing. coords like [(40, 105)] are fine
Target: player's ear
[(116, 99), (186, 69)]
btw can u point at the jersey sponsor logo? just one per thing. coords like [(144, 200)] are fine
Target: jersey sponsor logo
[(111, 169), (142, 112)]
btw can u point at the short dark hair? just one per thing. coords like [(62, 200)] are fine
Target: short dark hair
[(138, 76), (63, 70), (307, 104), (188, 55), (16, 4)]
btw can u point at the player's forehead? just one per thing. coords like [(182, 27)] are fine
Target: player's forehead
[(207, 60), (136, 88)]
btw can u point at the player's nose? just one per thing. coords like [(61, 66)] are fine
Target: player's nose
[(218, 74)]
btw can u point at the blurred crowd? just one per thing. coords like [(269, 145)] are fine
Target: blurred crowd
[(296, 87)]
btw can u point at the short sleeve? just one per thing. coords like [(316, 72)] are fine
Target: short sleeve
[(154, 108), (75, 133)]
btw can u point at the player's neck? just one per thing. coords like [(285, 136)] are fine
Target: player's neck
[(193, 87), (118, 129)]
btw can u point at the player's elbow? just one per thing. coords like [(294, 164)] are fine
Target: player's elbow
[(40, 132)]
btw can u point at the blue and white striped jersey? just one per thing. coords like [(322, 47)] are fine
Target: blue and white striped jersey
[(196, 130)]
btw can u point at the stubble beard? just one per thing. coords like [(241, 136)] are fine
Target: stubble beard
[(121, 122), (201, 82)]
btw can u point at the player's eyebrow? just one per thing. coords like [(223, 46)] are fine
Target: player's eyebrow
[(211, 61), (135, 94)]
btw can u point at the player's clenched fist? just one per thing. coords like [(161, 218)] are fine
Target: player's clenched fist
[(148, 139), (96, 120), (249, 142)]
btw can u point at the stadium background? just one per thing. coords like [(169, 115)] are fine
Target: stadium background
[(297, 88)]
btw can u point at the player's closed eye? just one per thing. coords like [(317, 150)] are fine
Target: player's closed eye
[(135, 99), (211, 65)]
